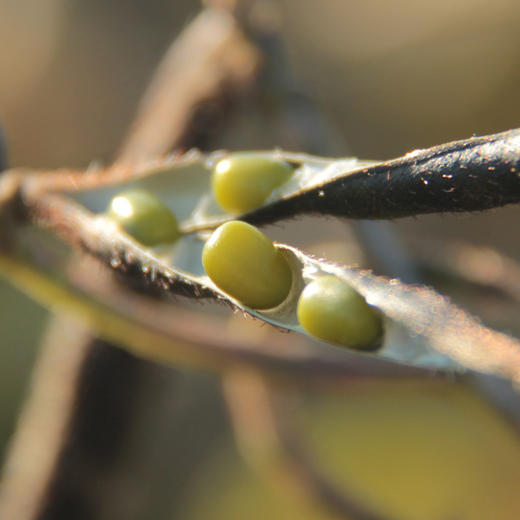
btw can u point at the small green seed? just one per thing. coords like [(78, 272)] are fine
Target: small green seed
[(242, 181), (145, 217), (331, 310), (243, 262)]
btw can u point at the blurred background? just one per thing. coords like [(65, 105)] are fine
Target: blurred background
[(387, 78)]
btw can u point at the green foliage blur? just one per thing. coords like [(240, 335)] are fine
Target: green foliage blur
[(413, 451), (22, 325)]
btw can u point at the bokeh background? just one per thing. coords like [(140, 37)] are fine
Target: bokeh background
[(388, 77)]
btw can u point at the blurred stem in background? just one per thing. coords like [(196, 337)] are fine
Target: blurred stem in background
[(3, 151), (104, 397), (270, 444)]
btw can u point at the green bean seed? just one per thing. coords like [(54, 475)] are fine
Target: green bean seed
[(242, 181), (333, 311), (145, 217), (243, 262)]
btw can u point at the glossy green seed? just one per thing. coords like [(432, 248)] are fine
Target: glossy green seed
[(243, 262), (242, 181), (145, 217), (331, 310)]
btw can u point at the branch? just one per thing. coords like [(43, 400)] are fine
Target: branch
[(35, 449), (203, 74)]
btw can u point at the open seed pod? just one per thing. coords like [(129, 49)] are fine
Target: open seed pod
[(420, 327)]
